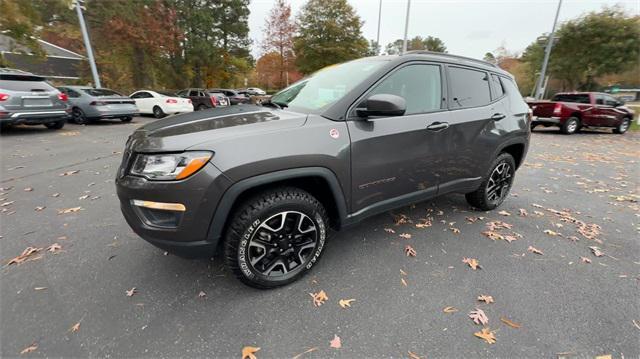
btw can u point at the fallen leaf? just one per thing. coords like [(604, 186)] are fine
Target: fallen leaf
[(486, 298), (585, 260), (403, 272), (409, 251), (523, 212), (510, 323), (450, 309), (404, 282), (28, 189), (69, 173), (534, 250), (39, 208), (83, 197), (413, 356), (39, 288), (24, 256), (54, 248), (455, 230), (55, 195), (510, 238), (249, 352), (335, 342), (305, 352), (75, 327), (607, 356), (389, 230), (504, 213), (5, 204), (131, 292), (478, 316), (69, 210), (493, 235), (550, 232), (596, 251), (319, 298), (202, 294), (405, 235), (487, 335), (33, 347), (472, 262), (344, 303)]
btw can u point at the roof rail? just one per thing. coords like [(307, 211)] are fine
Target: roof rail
[(426, 52)]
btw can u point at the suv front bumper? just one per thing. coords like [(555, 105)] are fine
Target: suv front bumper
[(182, 231)]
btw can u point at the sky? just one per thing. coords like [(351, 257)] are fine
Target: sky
[(467, 27)]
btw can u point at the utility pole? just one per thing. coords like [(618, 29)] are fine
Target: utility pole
[(87, 43), (547, 52), (406, 28), (378, 37)]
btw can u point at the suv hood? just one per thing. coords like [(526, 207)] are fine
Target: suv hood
[(181, 132)]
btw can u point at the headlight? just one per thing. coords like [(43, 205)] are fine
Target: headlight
[(169, 166)]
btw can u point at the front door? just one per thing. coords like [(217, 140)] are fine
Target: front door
[(394, 158)]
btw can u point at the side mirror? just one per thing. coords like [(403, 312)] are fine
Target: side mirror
[(619, 103), (382, 105)]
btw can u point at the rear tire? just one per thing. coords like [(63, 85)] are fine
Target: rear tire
[(158, 113), (275, 237), (496, 185), (201, 107), (570, 126), (623, 126), (126, 119), (55, 125)]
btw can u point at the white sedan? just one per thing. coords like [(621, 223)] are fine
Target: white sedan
[(160, 104)]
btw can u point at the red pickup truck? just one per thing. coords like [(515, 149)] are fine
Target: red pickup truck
[(575, 110)]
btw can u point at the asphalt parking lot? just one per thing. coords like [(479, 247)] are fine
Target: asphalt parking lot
[(573, 193)]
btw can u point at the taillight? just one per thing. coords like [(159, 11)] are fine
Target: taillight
[(98, 103), (170, 100), (63, 97), (214, 102), (4, 97), (557, 109), (189, 101)]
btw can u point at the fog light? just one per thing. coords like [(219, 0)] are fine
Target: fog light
[(159, 205)]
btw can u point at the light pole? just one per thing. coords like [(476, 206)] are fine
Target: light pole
[(406, 28), (379, 19), (87, 43), (547, 52)]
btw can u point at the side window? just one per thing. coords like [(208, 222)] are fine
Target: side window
[(72, 93), (137, 95), (193, 93), (496, 86), (599, 99), (419, 85), (610, 101), (469, 88)]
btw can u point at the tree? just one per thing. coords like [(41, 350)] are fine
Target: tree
[(329, 32), (278, 37), (489, 57), (429, 43), (374, 48)]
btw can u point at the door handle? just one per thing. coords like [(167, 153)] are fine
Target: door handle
[(497, 116), (438, 126)]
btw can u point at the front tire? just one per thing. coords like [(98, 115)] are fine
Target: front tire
[(495, 187), (570, 126), (275, 237), (55, 125), (623, 126), (157, 112), (126, 119)]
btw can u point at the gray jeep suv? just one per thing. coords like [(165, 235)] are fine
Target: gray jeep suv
[(29, 99), (265, 185)]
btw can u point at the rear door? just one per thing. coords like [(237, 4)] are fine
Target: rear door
[(395, 157), (610, 113), (472, 136), (144, 101)]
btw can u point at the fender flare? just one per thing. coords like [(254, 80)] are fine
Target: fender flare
[(513, 141), (228, 200)]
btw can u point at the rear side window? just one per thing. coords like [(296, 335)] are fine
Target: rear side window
[(100, 92), (496, 86), (577, 98), (27, 86), (419, 85), (469, 88)]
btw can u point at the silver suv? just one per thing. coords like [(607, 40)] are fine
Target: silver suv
[(28, 99)]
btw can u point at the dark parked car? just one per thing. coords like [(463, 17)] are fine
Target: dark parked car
[(202, 99), (234, 97), (30, 100), (576, 110), (91, 104), (266, 184)]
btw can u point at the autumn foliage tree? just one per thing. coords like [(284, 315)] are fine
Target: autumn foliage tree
[(329, 32), (429, 43), (278, 36)]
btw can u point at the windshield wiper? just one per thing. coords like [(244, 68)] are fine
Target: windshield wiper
[(278, 105)]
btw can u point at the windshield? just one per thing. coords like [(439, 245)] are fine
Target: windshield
[(326, 86), (101, 92), (166, 94), (579, 98)]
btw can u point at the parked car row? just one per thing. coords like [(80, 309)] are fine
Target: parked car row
[(29, 99)]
